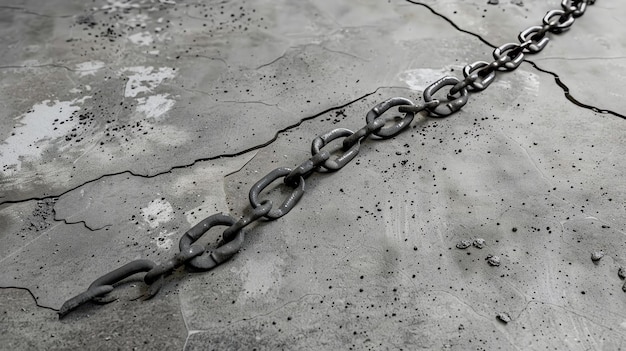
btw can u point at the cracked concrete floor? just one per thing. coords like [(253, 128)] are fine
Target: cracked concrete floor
[(124, 123)]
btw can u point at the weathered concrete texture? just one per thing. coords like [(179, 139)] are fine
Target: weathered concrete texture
[(157, 325), (127, 122)]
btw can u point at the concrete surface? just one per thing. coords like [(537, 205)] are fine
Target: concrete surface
[(124, 123)]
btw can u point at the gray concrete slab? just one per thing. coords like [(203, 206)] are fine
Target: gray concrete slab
[(127, 122)]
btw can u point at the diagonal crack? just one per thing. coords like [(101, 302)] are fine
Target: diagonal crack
[(557, 79), (64, 220), (569, 96), (55, 65), (588, 58), (31, 295), (477, 36), (299, 48), (204, 159), (30, 12)]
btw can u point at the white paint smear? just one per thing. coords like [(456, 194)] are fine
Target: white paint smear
[(144, 79), (421, 78), (141, 39), (89, 68), (114, 5), (155, 106), (41, 123), (157, 212), (163, 241)]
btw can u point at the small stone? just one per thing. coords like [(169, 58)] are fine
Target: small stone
[(624, 287), (596, 256), (504, 317), (493, 260), (479, 243), (621, 273), (493, 2), (463, 244)]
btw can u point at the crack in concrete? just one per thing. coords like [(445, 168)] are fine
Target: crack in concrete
[(206, 57), (589, 58), (251, 102), (567, 310), (557, 79), (189, 332), (343, 53), (204, 159), (273, 61), (64, 220), (237, 171), (31, 295), (55, 65), (300, 48), (30, 12), (569, 96), (235, 101)]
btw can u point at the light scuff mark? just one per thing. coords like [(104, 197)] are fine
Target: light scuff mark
[(141, 39), (144, 79), (155, 106), (158, 212), (89, 68)]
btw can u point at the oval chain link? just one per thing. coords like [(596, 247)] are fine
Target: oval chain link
[(291, 200), (205, 261), (343, 159), (452, 105), (378, 110), (537, 43)]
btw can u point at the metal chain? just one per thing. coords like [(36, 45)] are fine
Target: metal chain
[(477, 77), (507, 57)]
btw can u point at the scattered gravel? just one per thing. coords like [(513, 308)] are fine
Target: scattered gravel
[(463, 244), (493, 260), (596, 256), (503, 317), (479, 243)]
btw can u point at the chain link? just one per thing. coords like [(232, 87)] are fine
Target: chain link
[(451, 104), (340, 161), (536, 41), (289, 203), (477, 77), (378, 110)]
